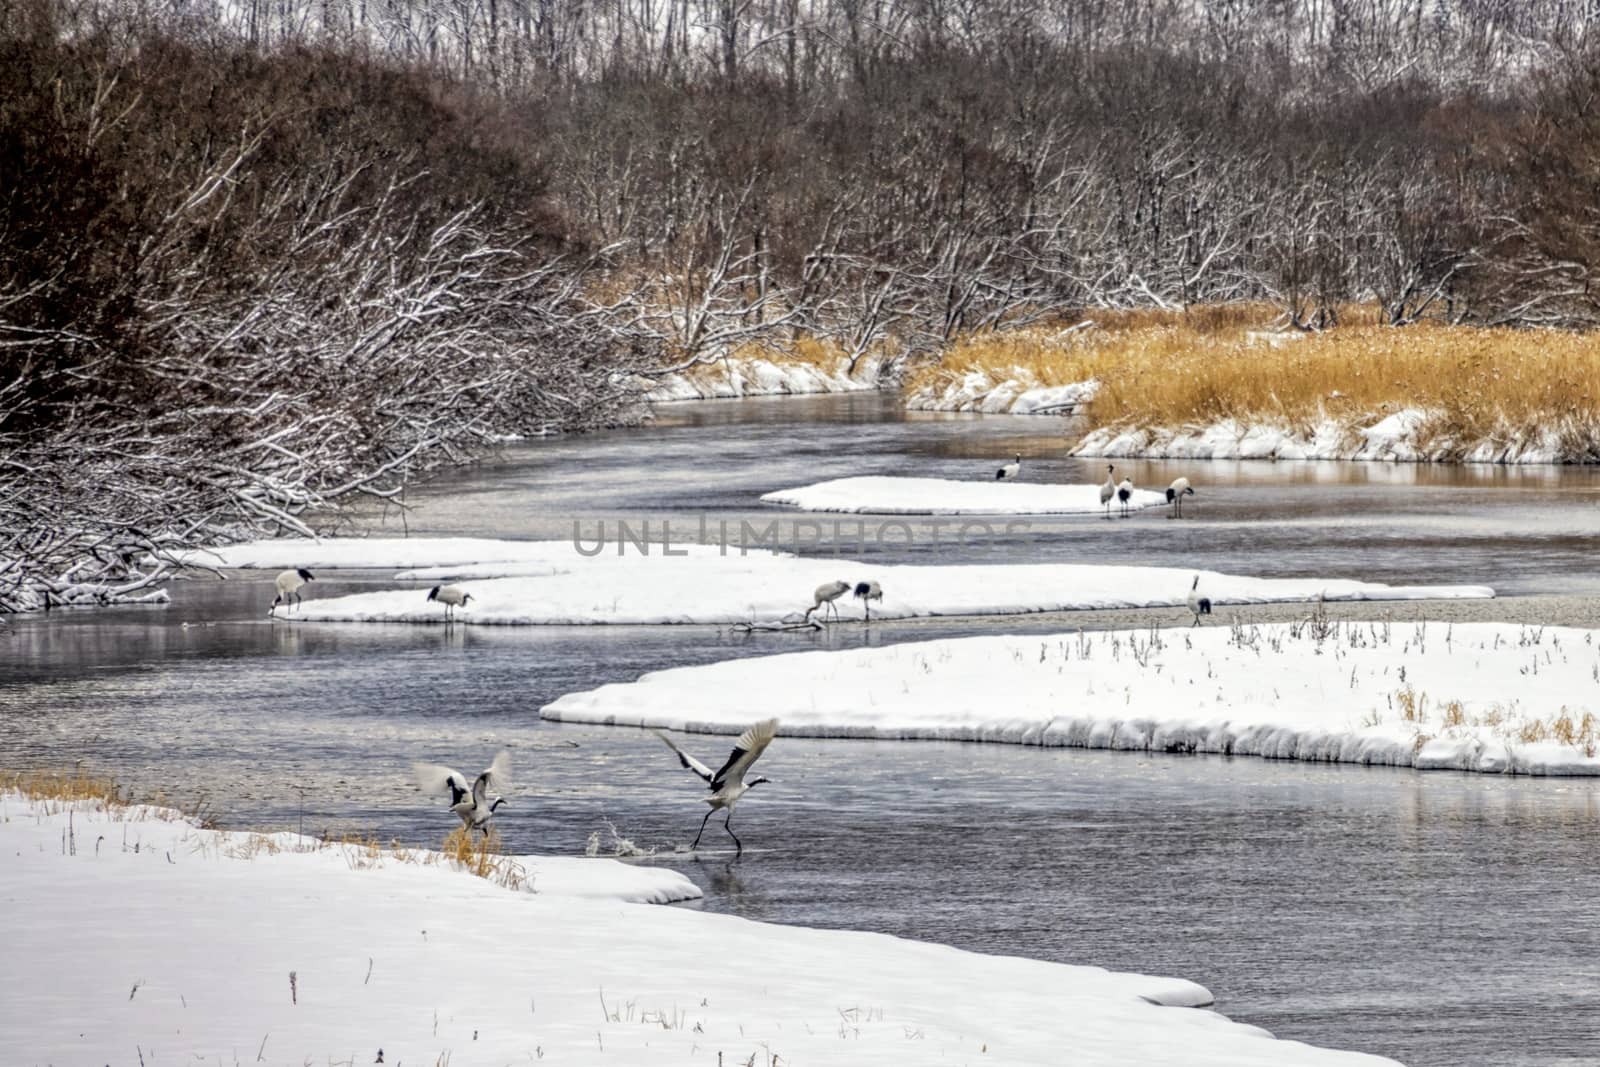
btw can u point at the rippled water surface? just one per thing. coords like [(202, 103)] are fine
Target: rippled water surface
[(1438, 918)]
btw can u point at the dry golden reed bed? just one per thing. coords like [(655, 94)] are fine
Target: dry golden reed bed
[(1176, 369)]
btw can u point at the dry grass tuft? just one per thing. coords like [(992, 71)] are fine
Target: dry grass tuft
[(78, 785), (1176, 369), (481, 854), (1454, 720)]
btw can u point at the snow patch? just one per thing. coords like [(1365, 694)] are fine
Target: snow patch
[(1481, 697), (941, 496), (707, 587)]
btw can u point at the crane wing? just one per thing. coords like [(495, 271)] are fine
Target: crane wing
[(436, 777), (746, 751), (497, 776), (684, 758)]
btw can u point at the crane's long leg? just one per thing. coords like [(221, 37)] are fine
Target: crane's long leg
[(702, 829), (727, 824)]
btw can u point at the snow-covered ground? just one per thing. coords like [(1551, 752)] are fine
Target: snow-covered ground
[(1480, 697), (139, 939), (1015, 394), (942, 496), (734, 376), (704, 586), (1404, 436)]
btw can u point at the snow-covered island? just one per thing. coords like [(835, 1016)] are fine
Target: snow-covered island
[(238, 947), (1488, 697), (556, 583), (942, 496)]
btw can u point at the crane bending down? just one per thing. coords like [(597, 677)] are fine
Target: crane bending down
[(1010, 470), (728, 784), (1125, 495), (867, 592), (1199, 605), (827, 593), (1179, 489), (288, 585), (451, 596), (471, 803), (1109, 489)]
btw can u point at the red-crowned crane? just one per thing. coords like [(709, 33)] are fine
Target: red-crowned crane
[(728, 784), (471, 803), (451, 596), (1198, 605), (1125, 496), (1179, 489), (867, 592), (289, 584), (1010, 470), (827, 593), (1109, 489)]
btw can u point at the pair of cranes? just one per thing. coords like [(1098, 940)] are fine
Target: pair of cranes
[(475, 803), (826, 595), (289, 583)]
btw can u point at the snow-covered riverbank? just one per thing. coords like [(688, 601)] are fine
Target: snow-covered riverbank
[(239, 947), (1486, 697), (1405, 436), (736, 376), (1015, 393), (556, 583)]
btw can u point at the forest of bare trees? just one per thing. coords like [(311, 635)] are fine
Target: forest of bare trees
[(260, 258)]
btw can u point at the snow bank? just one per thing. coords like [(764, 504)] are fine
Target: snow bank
[(942, 496), (1481, 697), (1405, 437), (735, 377), (1018, 394), (157, 938), (709, 588)]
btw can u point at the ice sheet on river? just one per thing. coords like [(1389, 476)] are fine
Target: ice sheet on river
[(706, 587), (431, 964), (944, 496), (1488, 697)]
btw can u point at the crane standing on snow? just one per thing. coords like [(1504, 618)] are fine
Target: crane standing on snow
[(451, 596), (288, 585), (471, 804), (1109, 489), (867, 592), (1198, 605), (1125, 495), (1175, 493), (827, 593), (728, 784)]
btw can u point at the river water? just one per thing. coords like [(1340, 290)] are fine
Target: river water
[(1438, 918)]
